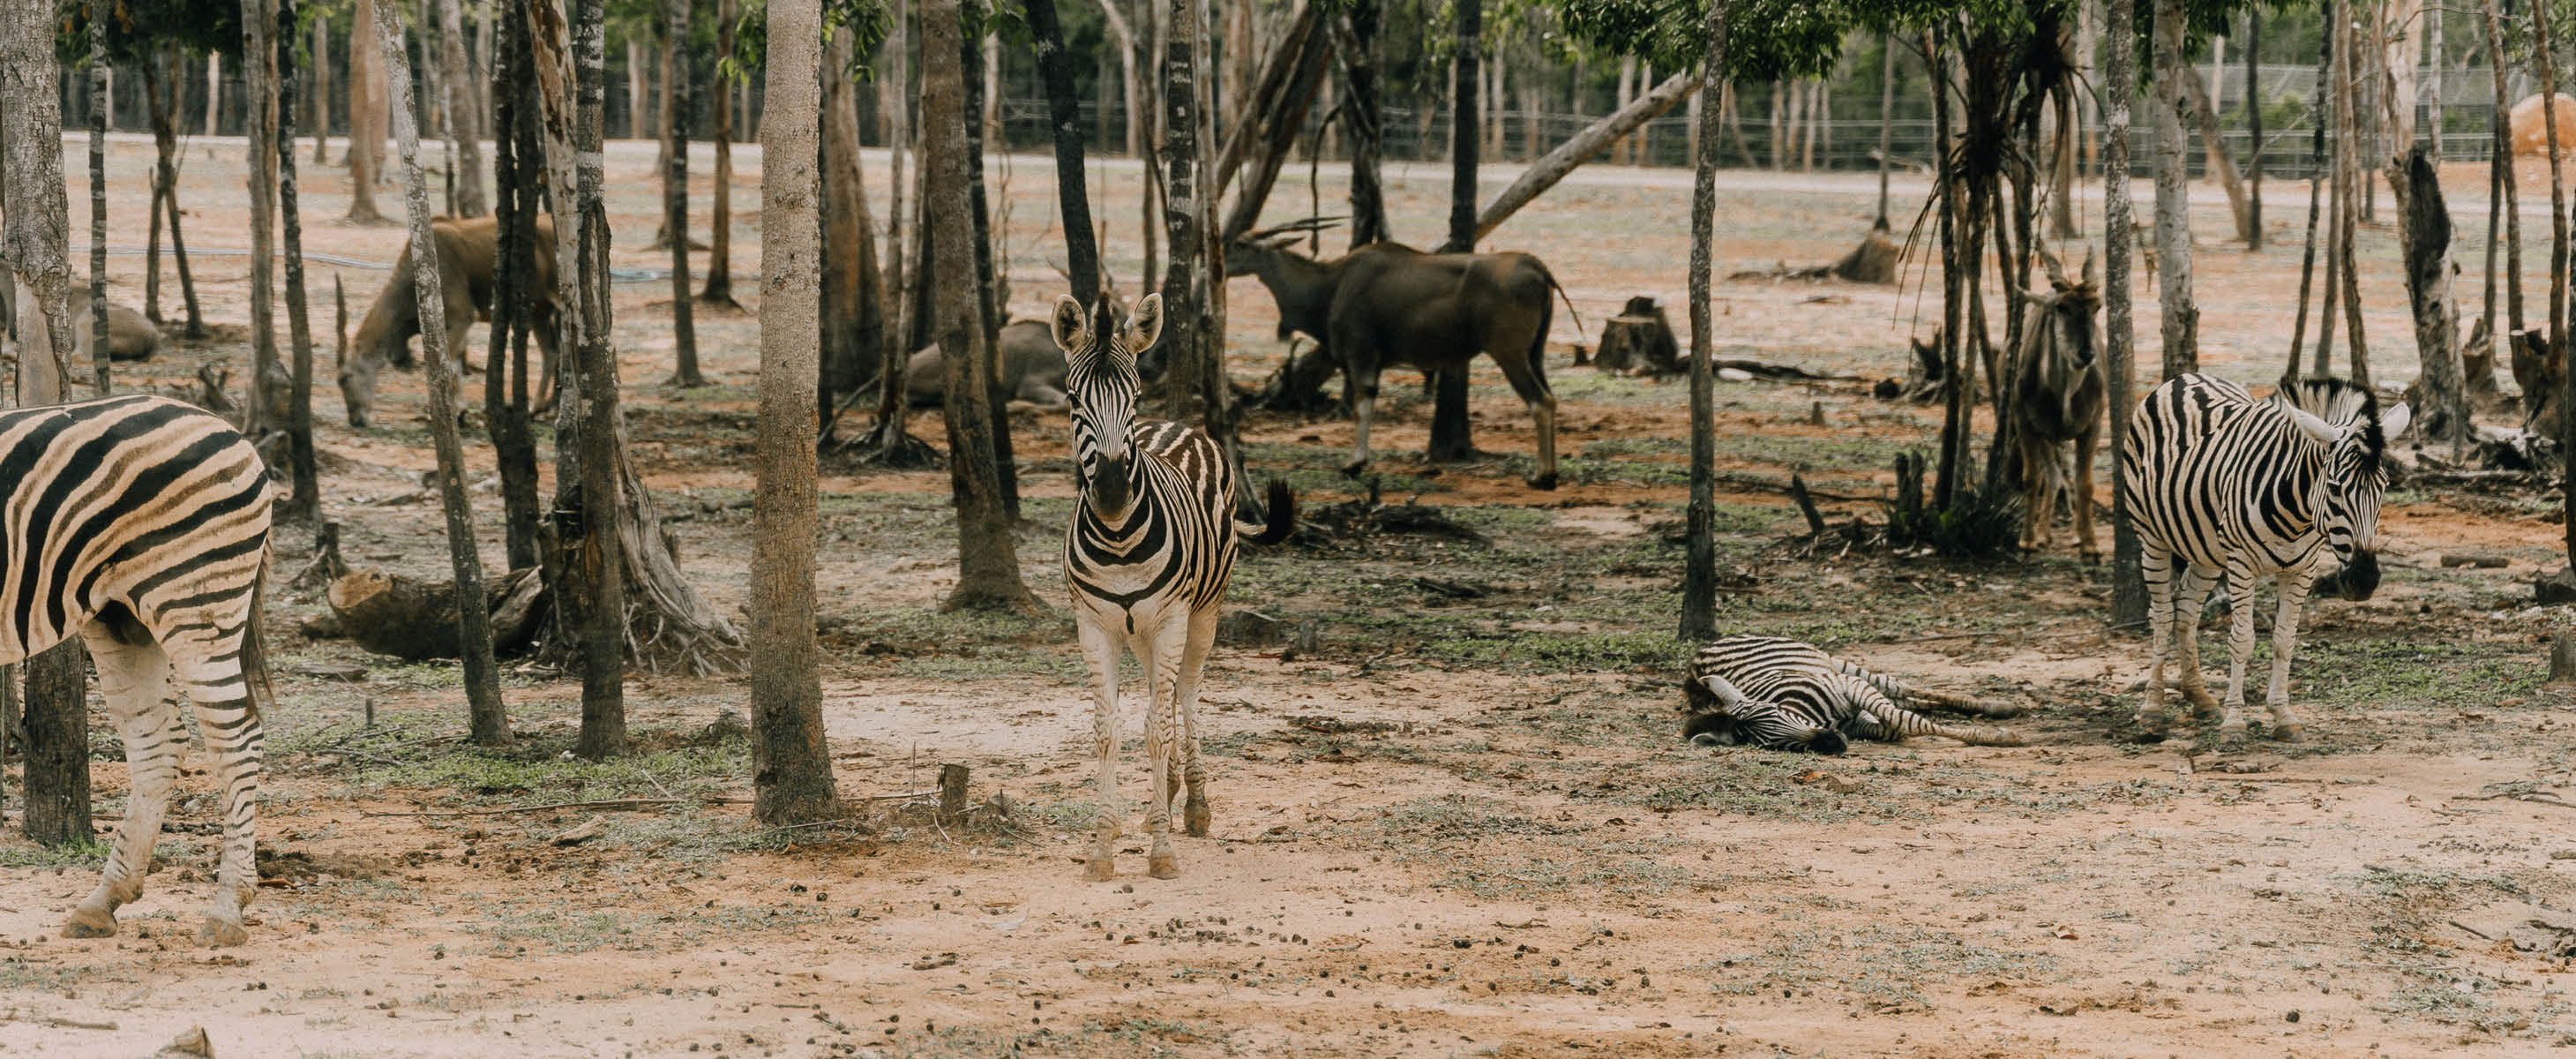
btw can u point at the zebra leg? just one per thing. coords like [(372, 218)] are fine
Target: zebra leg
[(2240, 643), (1168, 643), (210, 668), (135, 678), (2155, 565), (2191, 591), (1900, 722), (2292, 588), (1902, 692), (1102, 653), (1194, 814)]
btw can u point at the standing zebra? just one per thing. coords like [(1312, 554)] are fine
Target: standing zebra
[(141, 524), (1148, 555), (1781, 694), (2220, 483)]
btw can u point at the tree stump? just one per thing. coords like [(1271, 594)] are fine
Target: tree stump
[(952, 793), (1639, 341), (1875, 260), (2562, 663)]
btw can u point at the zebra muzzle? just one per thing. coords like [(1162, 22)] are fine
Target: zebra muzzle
[(2355, 581)]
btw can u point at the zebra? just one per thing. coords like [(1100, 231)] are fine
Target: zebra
[(141, 524), (1780, 694), (1147, 556), (2057, 386), (2219, 483)]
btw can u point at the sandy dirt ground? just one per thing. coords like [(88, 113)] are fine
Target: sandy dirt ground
[(1452, 817)]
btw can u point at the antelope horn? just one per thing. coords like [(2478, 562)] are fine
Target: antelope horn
[(1308, 224)]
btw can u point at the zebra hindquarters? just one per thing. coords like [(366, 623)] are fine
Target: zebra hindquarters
[(133, 675)]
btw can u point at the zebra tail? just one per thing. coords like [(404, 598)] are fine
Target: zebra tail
[(1283, 516), (255, 676)]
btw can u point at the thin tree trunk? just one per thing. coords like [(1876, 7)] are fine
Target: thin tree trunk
[(214, 88), (1182, 341), (2334, 84), (854, 346), (2541, 56), (891, 443), (988, 279), (988, 559), (1887, 124), (636, 94), (155, 110), (2222, 166), (719, 287), (1128, 84), (165, 149), (517, 173), (462, 128), (98, 98), (2128, 583), (2433, 78), (1451, 432), (259, 80), (2316, 183), (791, 763), (366, 138), (1699, 578), (34, 240), (2181, 328), (2505, 179), (2254, 126), (321, 87), (2355, 175), (1073, 199), (2437, 333), (303, 468), (1355, 33), (490, 721), (675, 189)]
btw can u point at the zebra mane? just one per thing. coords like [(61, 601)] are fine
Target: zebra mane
[(2338, 402)]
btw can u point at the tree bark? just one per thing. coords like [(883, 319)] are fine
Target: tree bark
[(214, 89), (1582, 147), (989, 294), (489, 719), (517, 173), (1451, 431), (636, 93), (2318, 159), (1128, 82), (321, 88), (34, 237), (98, 100), (366, 103), (2128, 583), (2428, 286), (855, 342), (154, 106), (2353, 147), (1699, 577), (2433, 79), (462, 125), (165, 149), (2181, 328), (1355, 34), (259, 80), (1268, 125), (1055, 72), (2557, 189), (2505, 178), (791, 764), (889, 442), (988, 559), (304, 469), (675, 188), (2254, 125), (719, 286)]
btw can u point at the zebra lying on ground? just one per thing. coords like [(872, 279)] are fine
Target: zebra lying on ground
[(2220, 483), (1780, 694), (141, 524)]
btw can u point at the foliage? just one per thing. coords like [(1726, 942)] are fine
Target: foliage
[(137, 28), (868, 20), (1978, 524)]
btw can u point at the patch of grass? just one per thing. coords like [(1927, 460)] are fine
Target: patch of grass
[(538, 769), (70, 855)]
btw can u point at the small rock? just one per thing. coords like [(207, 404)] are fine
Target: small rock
[(2292, 1016), (2556, 587), (589, 829), (193, 1042), (929, 963), (2562, 854)]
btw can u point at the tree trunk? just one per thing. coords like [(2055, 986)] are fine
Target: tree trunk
[(490, 721), (1270, 122), (2254, 127), (517, 173), (462, 126), (889, 442), (988, 559), (155, 105), (675, 189), (2428, 286), (366, 137), (165, 149), (1355, 34), (1887, 123), (2316, 182), (2433, 79), (2353, 149), (2181, 327), (1699, 578), (1125, 36), (98, 99), (34, 242), (2506, 179), (214, 89), (2541, 56), (303, 468), (854, 344), (988, 279), (1451, 437), (636, 93), (791, 764), (1578, 149), (2222, 166), (321, 87), (1055, 72), (259, 69), (2128, 584), (719, 287)]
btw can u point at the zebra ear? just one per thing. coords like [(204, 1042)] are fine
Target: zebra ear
[(2315, 427), (1145, 325), (1072, 325), (2393, 421), (1728, 696)]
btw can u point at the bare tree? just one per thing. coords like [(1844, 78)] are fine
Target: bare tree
[(97, 323), (366, 110), (463, 106), (507, 397), (791, 766), (2502, 164), (1355, 34), (988, 560), (1699, 577), (675, 187), (2173, 221), (1451, 437), (34, 235), (855, 341), (2541, 57), (161, 87), (303, 468), (2128, 583), (259, 77), (719, 287), (1128, 83), (490, 721)]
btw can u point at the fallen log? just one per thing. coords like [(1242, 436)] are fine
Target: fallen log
[(389, 614)]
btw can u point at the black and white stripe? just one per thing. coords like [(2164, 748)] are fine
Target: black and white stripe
[(1148, 555), (1782, 694), (2222, 485), (141, 525)]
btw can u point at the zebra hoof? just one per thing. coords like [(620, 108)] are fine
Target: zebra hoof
[(221, 934), (2231, 730), (90, 923), (1100, 869), (2090, 556), (2289, 733), (1194, 818), (1164, 867)]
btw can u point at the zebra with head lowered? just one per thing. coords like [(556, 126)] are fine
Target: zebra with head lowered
[(1148, 555), (2220, 484), (141, 524), (1782, 694)]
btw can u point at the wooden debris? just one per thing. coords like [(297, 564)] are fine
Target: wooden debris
[(589, 829), (2480, 562), (952, 792), (1639, 341)]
